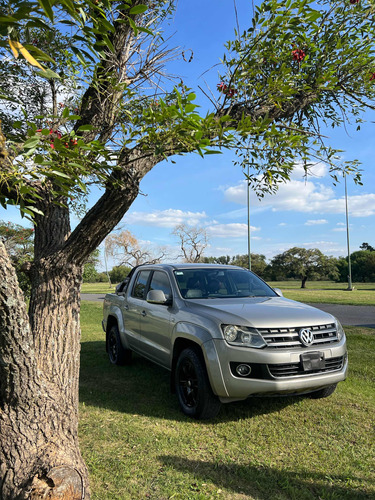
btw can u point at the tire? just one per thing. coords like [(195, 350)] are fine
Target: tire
[(193, 388), (116, 352), (324, 393)]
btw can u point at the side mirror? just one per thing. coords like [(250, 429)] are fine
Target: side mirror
[(157, 297), (279, 292)]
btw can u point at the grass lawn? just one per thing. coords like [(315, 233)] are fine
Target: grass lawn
[(323, 292), (328, 292), (138, 445)]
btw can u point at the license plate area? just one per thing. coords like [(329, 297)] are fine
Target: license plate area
[(312, 361)]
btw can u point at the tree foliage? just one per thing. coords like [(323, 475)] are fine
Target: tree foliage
[(119, 273), (19, 243), (258, 262), (362, 265), (301, 68), (304, 264), (90, 273), (366, 246)]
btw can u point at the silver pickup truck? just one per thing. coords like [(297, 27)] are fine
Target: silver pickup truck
[(224, 334)]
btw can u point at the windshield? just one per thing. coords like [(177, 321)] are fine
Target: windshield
[(206, 283)]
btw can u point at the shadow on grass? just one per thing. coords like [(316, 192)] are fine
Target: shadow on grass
[(144, 388), (264, 482)]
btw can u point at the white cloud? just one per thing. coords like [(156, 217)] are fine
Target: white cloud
[(234, 230), (326, 247), (305, 196), (165, 218), (316, 222)]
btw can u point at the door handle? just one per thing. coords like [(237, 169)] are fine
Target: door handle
[(126, 307), (143, 313)]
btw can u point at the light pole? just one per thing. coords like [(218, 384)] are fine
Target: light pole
[(248, 217), (350, 286)]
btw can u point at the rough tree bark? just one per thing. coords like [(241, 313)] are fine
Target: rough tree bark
[(35, 457)]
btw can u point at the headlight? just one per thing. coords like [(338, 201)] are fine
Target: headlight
[(340, 330), (243, 336)]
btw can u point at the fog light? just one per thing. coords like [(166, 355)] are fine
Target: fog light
[(243, 370)]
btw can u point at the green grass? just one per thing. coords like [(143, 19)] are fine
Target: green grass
[(323, 292), (138, 445), (97, 288), (328, 292)]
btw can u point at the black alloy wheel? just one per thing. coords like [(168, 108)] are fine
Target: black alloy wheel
[(116, 352), (193, 387)]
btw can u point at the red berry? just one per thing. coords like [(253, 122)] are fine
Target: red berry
[(298, 55)]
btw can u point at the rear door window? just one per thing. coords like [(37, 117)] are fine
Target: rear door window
[(140, 285)]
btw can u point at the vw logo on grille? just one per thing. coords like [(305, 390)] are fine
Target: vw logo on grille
[(306, 336)]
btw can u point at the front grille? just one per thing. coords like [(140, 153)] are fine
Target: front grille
[(288, 337), (296, 369)]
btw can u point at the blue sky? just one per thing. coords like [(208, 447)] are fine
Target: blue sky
[(211, 192)]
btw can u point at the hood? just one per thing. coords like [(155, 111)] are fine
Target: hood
[(261, 312)]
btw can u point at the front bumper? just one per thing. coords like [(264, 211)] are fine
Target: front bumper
[(268, 376)]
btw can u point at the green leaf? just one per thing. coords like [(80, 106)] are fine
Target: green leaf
[(38, 159), (32, 211), (8, 20), (59, 174), (46, 6), (65, 113), (47, 73), (106, 25), (31, 143), (145, 30), (190, 107), (133, 25), (138, 9), (79, 55), (83, 128)]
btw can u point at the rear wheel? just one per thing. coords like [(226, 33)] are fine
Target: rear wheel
[(193, 387), (116, 352), (324, 393)]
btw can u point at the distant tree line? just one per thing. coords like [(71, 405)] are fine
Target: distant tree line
[(296, 263), (307, 265)]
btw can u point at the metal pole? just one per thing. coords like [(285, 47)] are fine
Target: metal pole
[(105, 263), (248, 217), (350, 286)]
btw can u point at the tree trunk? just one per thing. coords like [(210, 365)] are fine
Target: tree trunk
[(39, 369), (304, 279)]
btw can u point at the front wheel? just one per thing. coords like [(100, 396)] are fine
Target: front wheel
[(193, 387), (324, 393), (116, 352)]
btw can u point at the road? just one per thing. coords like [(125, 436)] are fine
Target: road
[(347, 315)]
